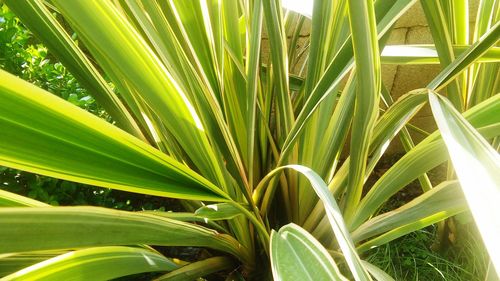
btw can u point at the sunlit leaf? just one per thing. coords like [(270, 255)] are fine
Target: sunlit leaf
[(44, 134), (476, 164), (101, 263), (50, 228)]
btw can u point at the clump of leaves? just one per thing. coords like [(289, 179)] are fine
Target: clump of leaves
[(250, 149)]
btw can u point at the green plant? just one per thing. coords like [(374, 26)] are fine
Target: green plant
[(200, 117)]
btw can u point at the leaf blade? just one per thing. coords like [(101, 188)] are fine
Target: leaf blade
[(474, 160), (59, 139), (101, 263), (49, 228), (366, 55)]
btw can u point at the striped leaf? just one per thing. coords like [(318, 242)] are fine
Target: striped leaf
[(100, 263)]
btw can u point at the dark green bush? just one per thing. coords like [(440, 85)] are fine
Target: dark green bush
[(23, 55)]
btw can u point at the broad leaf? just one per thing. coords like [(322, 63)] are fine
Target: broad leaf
[(44, 134), (297, 255)]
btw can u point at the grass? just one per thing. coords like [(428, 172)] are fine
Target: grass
[(411, 257)]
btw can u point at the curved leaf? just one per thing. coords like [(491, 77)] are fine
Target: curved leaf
[(477, 165), (442, 201)]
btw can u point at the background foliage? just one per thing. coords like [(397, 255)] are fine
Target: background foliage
[(22, 54)]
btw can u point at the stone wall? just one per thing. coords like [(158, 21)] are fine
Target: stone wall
[(412, 28)]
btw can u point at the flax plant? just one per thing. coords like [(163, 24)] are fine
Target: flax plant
[(251, 148)]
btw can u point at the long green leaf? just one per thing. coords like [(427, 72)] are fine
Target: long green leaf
[(49, 228), (101, 263), (325, 33), (433, 206), (426, 54), (44, 134), (274, 22), (366, 55), (444, 200), (8, 199), (252, 71), (477, 165), (440, 27), (10, 263)]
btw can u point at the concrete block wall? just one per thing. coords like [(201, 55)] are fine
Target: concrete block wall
[(412, 28)]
